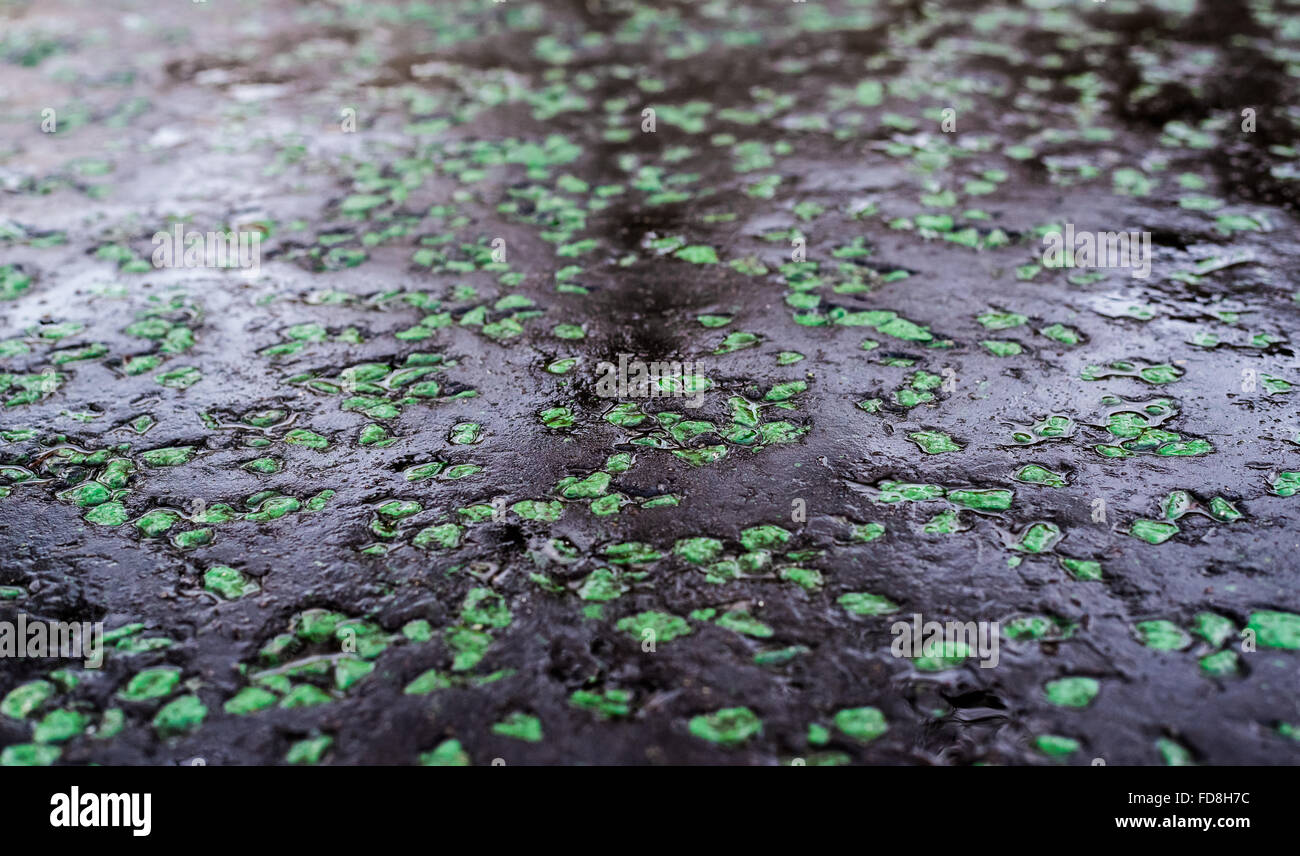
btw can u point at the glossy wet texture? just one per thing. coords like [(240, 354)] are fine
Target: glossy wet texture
[(368, 503)]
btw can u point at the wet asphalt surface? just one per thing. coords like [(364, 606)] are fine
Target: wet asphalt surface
[(1104, 117)]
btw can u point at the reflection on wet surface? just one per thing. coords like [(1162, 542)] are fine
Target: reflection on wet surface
[(368, 501)]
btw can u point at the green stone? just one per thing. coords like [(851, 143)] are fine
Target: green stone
[(654, 626), (1072, 692), (520, 726), (447, 754), (861, 723), (25, 698), (1275, 629), (729, 726), (151, 684), (180, 716)]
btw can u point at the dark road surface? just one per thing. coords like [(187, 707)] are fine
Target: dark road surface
[(367, 502)]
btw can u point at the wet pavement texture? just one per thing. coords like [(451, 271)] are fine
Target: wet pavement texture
[(369, 502)]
